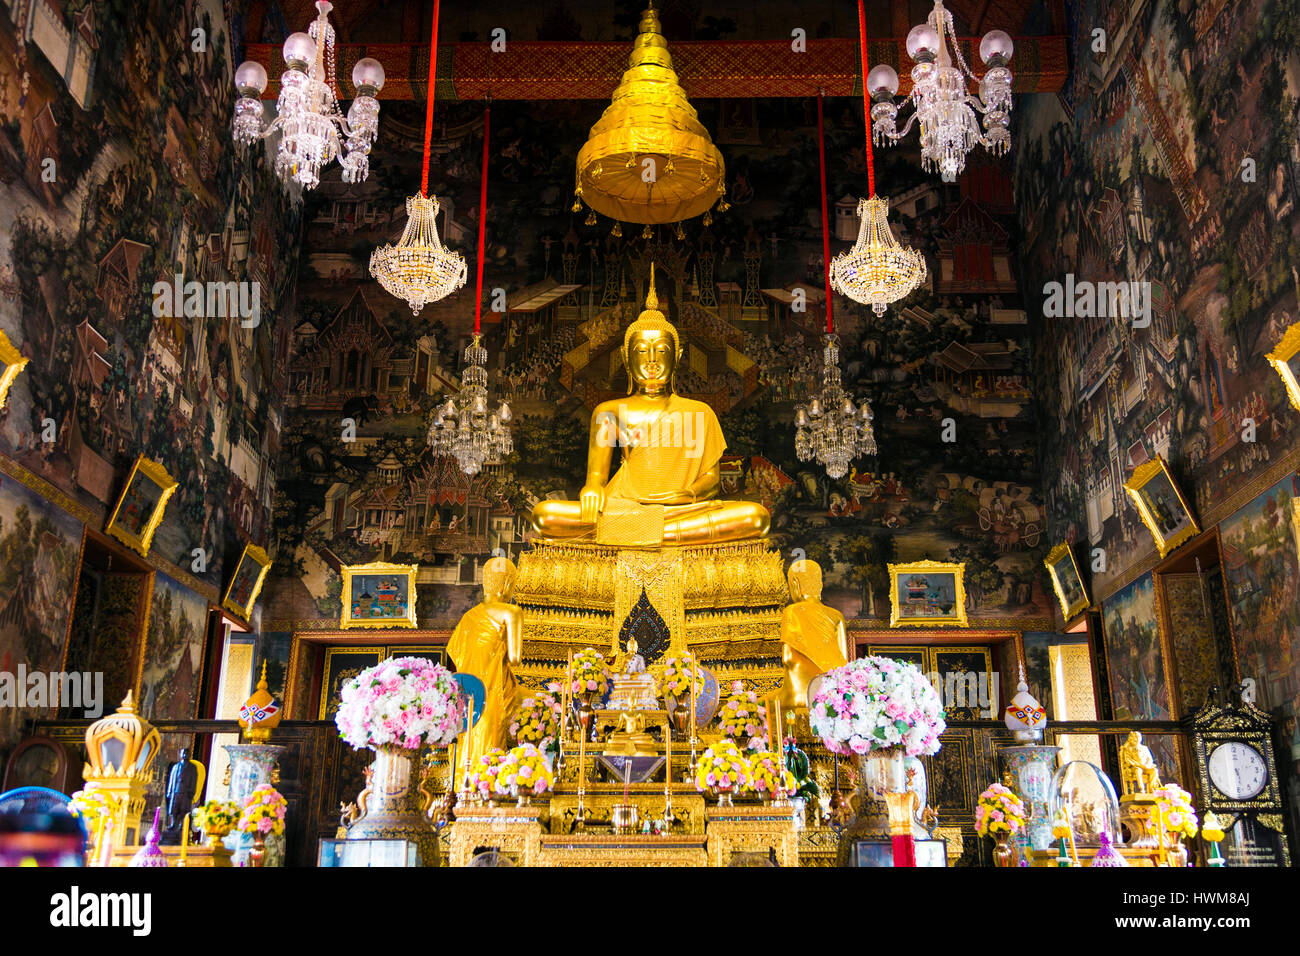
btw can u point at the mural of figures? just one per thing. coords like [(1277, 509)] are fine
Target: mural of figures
[(96, 206), (1134, 660), (173, 658), (39, 548)]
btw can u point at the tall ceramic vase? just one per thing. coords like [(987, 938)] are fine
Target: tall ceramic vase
[(394, 809), (882, 775), (251, 766), (1032, 766)]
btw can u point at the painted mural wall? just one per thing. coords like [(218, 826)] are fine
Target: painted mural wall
[(960, 351), (1170, 163)]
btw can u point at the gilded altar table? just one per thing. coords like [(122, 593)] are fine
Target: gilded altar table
[(765, 831), (515, 831), (196, 855), (632, 849)]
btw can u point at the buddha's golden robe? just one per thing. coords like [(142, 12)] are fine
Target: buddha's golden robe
[(478, 647), (810, 629), (668, 453)]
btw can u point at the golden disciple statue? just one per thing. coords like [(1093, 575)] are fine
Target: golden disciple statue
[(813, 637), (489, 639), (664, 492)]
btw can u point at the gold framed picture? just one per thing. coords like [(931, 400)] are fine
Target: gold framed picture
[(1066, 581), (1285, 357), (140, 509), (11, 363), (1162, 506), (379, 595), (341, 665), (246, 584), (927, 594)]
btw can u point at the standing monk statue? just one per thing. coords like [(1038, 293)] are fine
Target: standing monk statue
[(665, 490), (813, 637), (488, 640)]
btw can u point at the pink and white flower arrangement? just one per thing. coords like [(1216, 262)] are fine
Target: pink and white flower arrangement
[(407, 702), (999, 810), (263, 811), (722, 768), (741, 718), (590, 675), (524, 770), (875, 703)]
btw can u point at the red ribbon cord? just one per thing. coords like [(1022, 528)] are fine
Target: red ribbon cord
[(428, 110), (482, 218), (826, 233), (866, 98), (904, 850)]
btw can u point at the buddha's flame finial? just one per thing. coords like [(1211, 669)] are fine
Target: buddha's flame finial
[(652, 300)]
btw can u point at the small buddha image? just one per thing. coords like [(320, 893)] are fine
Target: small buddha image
[(487, 642), (813, 637)]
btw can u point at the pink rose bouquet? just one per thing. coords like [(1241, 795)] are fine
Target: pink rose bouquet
[(875, 703), (407, 702)]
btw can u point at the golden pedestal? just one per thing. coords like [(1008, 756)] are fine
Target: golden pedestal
[(515, 831), (195, 856), (719, 600), (1136, 856), (763, 831)]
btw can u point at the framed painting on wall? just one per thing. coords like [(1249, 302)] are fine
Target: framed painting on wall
[(926, 593), (11, 363), (140, 509), (1066, 581), (1162, 506), (341, 665), (1285, 357), (378, 595), (247, 581)]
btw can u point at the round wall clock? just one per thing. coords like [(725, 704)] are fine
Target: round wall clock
[(1237, 770)]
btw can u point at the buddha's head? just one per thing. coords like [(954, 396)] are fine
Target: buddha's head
[(651, 348), (498, 579), (805, 579)]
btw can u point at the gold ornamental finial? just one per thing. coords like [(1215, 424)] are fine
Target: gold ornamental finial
[(652, 300)]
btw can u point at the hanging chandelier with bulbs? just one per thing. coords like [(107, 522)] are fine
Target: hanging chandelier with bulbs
[(313, 130), (942, 104), (464, 427), (830, 428), (419, 268), (878, 270)]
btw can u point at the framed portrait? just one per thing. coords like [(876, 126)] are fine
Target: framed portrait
[(1162, 506), (247, 582), (429, 652), (1285, 357), (1066, 581), (927, 594), (11, 363), (379, 595), (341, 665), (908, 654), (140, 509)]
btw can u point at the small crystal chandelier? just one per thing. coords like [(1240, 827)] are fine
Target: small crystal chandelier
[(946, 111), (463, 427), (830, 428), (877, 270), (420, 269), (313, 131)]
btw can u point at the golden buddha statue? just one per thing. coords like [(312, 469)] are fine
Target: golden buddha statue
[(813, 637), (664, 492), (632, 688), (487, 641)]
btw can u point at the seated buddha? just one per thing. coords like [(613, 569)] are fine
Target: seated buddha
[(665, 489)]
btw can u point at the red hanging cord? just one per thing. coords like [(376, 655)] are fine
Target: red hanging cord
[(428, 110), (866, 98), (826, 232), (482, 218)]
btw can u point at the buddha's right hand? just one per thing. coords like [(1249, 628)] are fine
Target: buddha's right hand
[(591, 502)]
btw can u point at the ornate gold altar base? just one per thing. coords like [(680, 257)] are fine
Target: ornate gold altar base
[(1136, 856), (723, 601), (196, 856), (711, 837)]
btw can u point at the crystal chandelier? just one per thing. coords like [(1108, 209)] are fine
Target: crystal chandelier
[(420, 269), (313, 131), (944, 108), (830, 428), (877, 270), (463, 427)]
